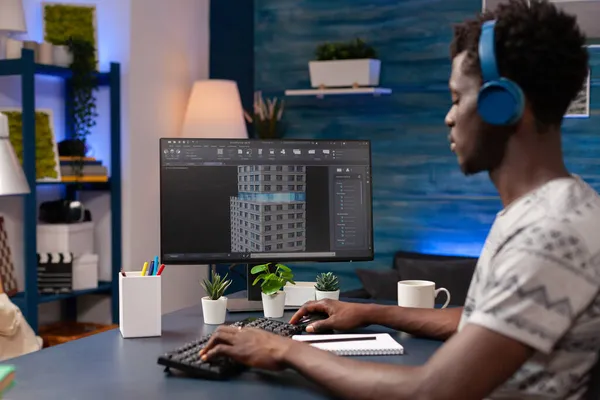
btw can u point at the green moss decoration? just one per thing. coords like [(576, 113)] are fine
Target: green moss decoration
[(62, 22), (45, 156)]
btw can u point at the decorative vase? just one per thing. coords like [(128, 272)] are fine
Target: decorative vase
[(327, 295), (273, 304), (344, 73), (214, 311), (45, 53), (62, 56), (13, 49)]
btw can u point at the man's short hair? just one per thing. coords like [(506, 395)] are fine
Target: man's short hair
[(539, 47)]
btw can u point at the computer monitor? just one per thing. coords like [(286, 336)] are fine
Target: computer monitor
[(260, 201)]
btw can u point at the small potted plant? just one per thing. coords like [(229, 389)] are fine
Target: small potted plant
[(266, 117), (348, 64), (327, 287), (274, 277), (214, 304)]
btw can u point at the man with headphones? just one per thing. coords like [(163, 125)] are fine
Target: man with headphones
[(530, 327)]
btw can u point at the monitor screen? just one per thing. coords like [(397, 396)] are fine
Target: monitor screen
[(253, 201)]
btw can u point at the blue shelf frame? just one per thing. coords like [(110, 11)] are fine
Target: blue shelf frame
[(27, 69)]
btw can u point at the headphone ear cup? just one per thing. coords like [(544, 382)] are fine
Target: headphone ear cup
[(500, 102)]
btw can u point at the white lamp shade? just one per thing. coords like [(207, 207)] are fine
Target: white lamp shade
[(12, 178), (12, 17), (215, 110)]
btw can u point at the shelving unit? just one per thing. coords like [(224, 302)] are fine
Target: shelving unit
[(375, 91), (29, 299)]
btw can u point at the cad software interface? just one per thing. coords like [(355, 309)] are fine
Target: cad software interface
[(227, 200)]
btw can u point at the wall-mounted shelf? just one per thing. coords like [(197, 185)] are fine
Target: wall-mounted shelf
[(339, 92)]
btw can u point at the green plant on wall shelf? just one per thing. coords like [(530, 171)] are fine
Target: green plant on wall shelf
[(266, 117), (272, 281), (354, 49), (216, 286)]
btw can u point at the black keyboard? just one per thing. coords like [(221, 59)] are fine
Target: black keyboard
[(186, 358)]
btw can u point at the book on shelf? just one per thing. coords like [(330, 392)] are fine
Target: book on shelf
[(86, 169), (91, 179)]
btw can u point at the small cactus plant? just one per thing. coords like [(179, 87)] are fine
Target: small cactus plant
[(327, 282)]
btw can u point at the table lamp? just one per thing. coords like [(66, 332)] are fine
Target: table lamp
[(215, 110), (12, 20), (12, 178)]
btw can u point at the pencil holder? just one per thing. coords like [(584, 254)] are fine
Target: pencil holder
[(140, 305)]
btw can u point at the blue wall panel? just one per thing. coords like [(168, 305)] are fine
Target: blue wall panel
[(422, 202)]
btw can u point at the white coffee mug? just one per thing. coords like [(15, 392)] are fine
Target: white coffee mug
[(419, 294)]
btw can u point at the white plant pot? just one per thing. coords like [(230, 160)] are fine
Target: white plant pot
[(298, 294), (214, 311), (327, 295), (344, 73), (274, 304)]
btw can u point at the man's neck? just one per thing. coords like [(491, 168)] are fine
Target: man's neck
[(528, 164)]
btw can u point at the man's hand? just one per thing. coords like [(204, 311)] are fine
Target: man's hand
[(252, 347), (342, 316)]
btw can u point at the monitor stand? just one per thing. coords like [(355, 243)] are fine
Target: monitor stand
[(253, 300)]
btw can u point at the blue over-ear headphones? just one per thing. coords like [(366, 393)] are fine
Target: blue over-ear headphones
[(501, 101)]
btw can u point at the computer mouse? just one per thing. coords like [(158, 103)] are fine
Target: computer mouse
[(313, 317)]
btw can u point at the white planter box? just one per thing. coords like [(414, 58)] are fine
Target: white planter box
[(327, 295), (344, 73), (66, 238), (298, 294), (273, 305), (214, 311)]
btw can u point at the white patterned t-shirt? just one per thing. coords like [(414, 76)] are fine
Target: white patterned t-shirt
[(537, 281)]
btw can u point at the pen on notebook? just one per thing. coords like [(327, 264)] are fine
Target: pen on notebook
[(333, 340), (162, 266), (145, 268)]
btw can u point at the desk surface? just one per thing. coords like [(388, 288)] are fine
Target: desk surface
[(107, 366)]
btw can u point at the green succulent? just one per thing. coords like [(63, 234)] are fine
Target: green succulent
[(327, 282), (272, 281), (351, 50), (216, 286)]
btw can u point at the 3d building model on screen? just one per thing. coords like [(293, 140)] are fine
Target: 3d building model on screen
[(269, 212)]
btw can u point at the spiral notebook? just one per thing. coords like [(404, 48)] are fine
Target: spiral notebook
[(378, 344)]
